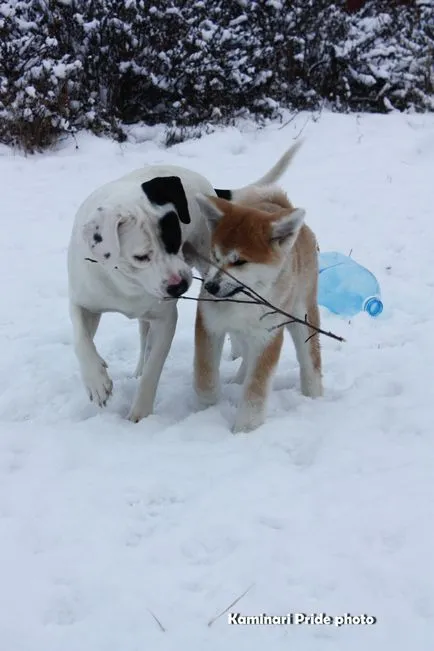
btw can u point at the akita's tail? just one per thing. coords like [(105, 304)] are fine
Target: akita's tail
[(270, 177)]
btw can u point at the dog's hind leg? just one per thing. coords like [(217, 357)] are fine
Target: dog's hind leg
[(159, 339), (92, 366), (236, 346), (144, 353), (239, 349), (308, 352)]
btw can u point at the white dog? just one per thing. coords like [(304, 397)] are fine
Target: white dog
[(132, 246)]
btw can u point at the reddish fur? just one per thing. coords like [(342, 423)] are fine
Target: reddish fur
[(246, 230)]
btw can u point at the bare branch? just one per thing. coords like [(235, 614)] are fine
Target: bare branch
[(259, 300), (157, 620), (281, 325), (212, 300), (270, 313), (211, 621), (291, 119)]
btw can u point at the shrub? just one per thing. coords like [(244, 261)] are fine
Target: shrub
[(190, 64)]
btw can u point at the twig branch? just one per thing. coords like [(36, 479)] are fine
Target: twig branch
[(157, 620), (303, 127), (212, 300), (314, 334), (214, 619), (291, 119), (259, 300)]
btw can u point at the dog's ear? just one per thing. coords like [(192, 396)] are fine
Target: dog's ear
[(102, 235), (168, 189), (284, 230), (211, 208)]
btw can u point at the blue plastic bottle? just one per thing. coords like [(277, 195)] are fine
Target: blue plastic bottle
[(345, 287)]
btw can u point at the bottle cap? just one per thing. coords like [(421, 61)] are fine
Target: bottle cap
[(373, 306)]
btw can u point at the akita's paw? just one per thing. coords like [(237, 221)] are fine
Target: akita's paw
[(98, 384), (138, 412), (247, 419), (311, 386), (208, 398)]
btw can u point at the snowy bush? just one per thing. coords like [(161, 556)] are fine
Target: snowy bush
[(387, 58), (69, 64), (36, 77)]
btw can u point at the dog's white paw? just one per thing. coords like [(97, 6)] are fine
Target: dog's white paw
[(247, 419), (98, 384), (138, 412), (311, 385), (208, 398)]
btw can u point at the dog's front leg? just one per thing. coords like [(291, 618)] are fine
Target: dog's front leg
[(207, 355), (260, 366), (92, 366), (144, 349), (159, 340)]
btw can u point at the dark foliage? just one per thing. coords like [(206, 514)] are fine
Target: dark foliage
[(190, 64)]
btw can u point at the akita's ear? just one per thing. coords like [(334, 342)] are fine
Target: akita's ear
[(285, 229), (102, 235), (210, 208)]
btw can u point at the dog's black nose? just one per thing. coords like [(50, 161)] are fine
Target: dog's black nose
[(177, 290), (212, 287)]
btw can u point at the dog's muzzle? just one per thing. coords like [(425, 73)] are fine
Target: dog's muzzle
[(212, 287), (175, 290)]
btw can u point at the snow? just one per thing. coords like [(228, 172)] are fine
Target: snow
[(326, 508)]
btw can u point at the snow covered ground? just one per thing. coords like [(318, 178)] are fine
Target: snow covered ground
[(328, 507)]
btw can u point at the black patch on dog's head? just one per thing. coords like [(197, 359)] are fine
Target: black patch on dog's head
[(170, 232), (107, 255), (168, 189), (97, 237), (223, 194)]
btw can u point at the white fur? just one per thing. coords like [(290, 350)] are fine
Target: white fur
[(127, 223)]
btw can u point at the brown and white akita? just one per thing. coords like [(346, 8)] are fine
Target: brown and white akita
[(262, 240)]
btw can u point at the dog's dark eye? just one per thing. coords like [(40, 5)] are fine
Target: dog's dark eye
[(142, 258), (239, 263)]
